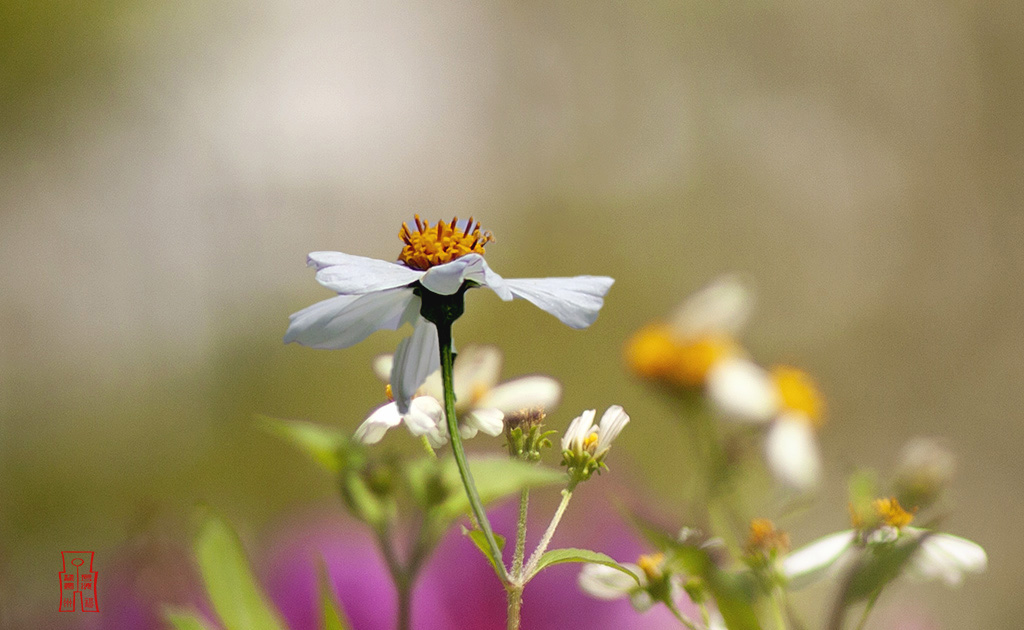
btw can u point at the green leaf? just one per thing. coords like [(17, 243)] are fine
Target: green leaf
[(230, 584), (325, 445), (561, 556), (183, 620), (480, 540), (332, 615), (495, 477)]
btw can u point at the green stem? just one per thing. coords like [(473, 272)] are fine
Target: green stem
[(444, 338), (867, 610), (428, 448), (399, 575), (542, 546), (520, 553), (515, 606), (778, 613)]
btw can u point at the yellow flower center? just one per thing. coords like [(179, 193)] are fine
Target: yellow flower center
[(590, 443), (799, 393), (655, 353), (388, 393), (429, 246), (892, 513), (765, 538), (650, 564)]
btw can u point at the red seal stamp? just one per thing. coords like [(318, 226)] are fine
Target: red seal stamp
[(78, 582)]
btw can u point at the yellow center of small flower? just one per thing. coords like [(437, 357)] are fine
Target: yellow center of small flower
[(590, 443), (892, 513), (428, 246), (388, 393), (656, 353), (765, 538), (650, 564), (799, 393)]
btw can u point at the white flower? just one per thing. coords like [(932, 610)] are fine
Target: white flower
[(720, 308), (582, 437), (784, 399), (480, 402), (608, 583), (425, 417), (377, 294), (942, 557)]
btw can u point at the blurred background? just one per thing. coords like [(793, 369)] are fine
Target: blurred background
[(165, 168)]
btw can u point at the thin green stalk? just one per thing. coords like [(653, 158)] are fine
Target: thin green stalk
[(427, 447), (867, 610), (520, 553), (444, 338), (399, 575), (542, 546), (683, 619)]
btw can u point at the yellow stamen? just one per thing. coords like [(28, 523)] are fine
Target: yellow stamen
[(764, 537), (799, 393), (892, 513), (650, 564), (427, 246), (387, 392), (651, 352), (590, 443), (695, 360)]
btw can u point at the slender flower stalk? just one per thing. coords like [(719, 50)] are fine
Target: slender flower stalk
[(444, 336), (545, 540)]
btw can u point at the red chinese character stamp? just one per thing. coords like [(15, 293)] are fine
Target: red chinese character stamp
[(78, 582)]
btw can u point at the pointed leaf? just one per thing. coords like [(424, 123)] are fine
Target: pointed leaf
[(324, 444), (480, 540), (332, 616), (561, 556), (229, 581)]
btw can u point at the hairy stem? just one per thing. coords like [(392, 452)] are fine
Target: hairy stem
[(520, 553), (515, 606)]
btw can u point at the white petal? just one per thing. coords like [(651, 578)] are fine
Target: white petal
[(641, 601), (529, 392), (743, 391), (490, 421), (604, 582), (792, 452), (416, 357), (424, 415), (578, 431), (438, 437), (810, 561), (345, 320), (373, 428), (946, 557), (574, 301), (382, 366), (477, 369), (720, 308), (355, 274), (612, 422), (446, 279)]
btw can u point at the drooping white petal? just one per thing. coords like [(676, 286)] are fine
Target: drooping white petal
[(742, 391), (438, 437), (578, 431), (612, 422), (489, 421), (604, 582), (641, 601), (477, 369), (446, 279), (345, 320), (416, 357), (946, 557), (424, 415), (372, 429), (719, 308), (529, 392), (574, 301), (791, 450), (809, 562), (363, 275)]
